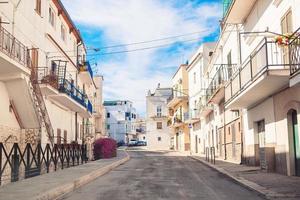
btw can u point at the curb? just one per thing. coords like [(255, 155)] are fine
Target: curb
[(268, 194), (62, 190)]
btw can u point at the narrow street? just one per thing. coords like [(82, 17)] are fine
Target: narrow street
[(154, 175)]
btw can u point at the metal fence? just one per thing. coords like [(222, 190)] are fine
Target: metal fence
[(24, 161)]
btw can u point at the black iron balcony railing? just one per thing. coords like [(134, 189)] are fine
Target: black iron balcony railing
[(294, 52), (266, 56), (13, 48), (222, 75), (46, 76)]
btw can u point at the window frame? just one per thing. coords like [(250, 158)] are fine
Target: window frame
[(158, 111), (38, 7), (159, 125), (63, 32), (52, 17)]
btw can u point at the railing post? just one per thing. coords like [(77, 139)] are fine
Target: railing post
[(47, 159), (1, 146), (251, 70), (62, 156), (55, 157), (267, 61), (28, 157)]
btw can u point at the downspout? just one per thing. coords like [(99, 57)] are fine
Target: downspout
[(76, 81), (15, 7)]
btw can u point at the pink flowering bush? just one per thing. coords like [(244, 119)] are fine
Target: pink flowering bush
[(105, 148)]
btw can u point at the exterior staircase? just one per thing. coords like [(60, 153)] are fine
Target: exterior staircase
[(40, 106)]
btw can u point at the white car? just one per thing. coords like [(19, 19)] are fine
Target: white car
[(132, 142)]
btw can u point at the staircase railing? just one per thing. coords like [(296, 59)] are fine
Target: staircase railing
[(40, 106)]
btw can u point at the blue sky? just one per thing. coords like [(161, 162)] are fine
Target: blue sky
[(130, 75)]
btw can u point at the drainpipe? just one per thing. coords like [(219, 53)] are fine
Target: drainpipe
[(224, 127), (15, 7), (242, 137)]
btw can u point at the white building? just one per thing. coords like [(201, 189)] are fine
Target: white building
[(266, 85), (46, 85), (120, 119), (158, 132), (197, 92)]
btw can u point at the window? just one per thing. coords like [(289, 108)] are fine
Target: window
[(108, 115), (63, 32), (159, 139), (51, 17), (108, 126), (286, 23), (229, 62), (38, 6), (286, 28), (195, 78), (159, 125), (158, 111)]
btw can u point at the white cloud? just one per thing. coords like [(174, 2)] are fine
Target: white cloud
[(138, 20)]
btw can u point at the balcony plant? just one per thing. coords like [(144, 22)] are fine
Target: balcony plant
[(285, 40)]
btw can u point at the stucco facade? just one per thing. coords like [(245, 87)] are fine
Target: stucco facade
[(35, 94), (158, 132)]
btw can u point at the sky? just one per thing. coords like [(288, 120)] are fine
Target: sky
[(129, 75)]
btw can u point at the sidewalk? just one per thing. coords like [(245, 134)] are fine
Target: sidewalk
[(53, 185), (271, 185)]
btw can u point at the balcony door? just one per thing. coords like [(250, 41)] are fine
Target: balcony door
[(286, 28)]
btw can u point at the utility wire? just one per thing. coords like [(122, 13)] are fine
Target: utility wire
[(139, 49), (155, 40), (142, 42)]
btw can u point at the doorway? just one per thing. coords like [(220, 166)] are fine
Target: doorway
[(296, 142), (261, 143), (196, 144)]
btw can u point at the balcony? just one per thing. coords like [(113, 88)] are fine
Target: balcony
[(262, 74), (64, 92), (158, 116), (191, 117), (205, 107), (216, 89), (177, 121), (86, 73), (14, 56), (236, 11), (177, 97), (294, 55)]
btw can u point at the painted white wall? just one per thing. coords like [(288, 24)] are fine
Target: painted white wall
[(158, 98)]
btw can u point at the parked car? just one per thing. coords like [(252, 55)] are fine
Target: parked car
[(121, 143), (141, 143), (132, 142)]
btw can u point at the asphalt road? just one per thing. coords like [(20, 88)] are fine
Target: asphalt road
[(154, 176)]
